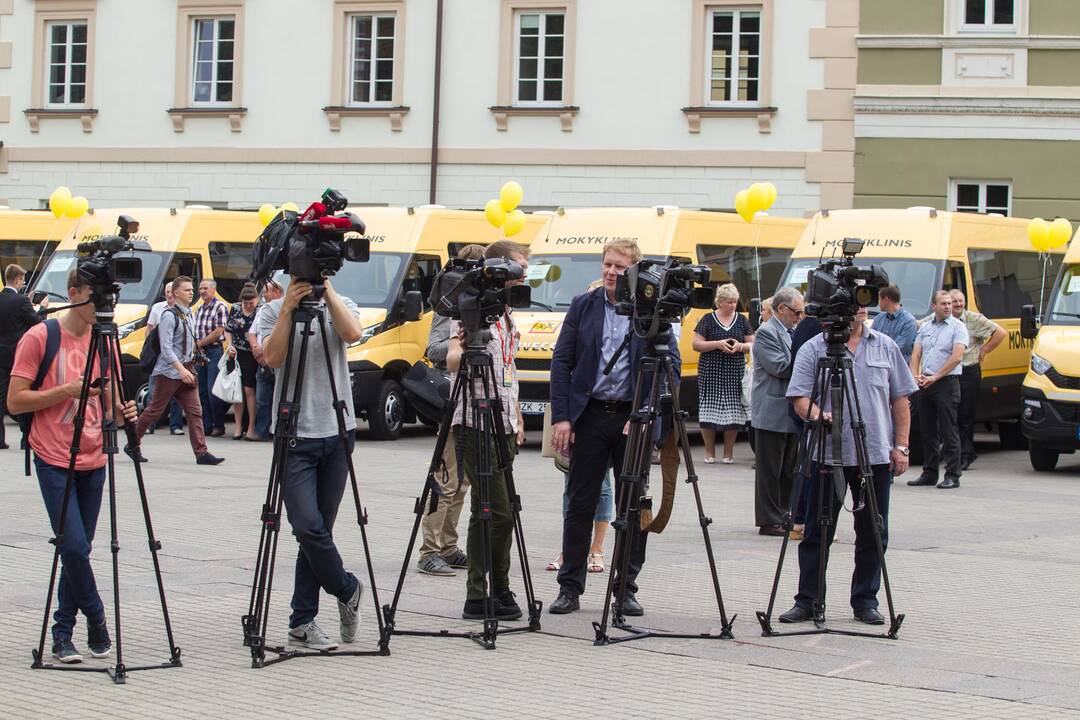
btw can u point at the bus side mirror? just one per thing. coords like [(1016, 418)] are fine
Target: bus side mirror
[(755, 313), (1029, 326), (412, 306)]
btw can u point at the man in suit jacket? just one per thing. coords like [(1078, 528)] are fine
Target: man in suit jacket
[(775, 431), (590, 410), (17, 315)]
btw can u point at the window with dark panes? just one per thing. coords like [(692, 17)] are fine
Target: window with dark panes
[(371, 65), (231, 263), (734, 70), (67, 62), (420, 276), (541, 43), (31, 255), (755, 273), (1006, 280), (982, 197), (989, 12), (213, 60)]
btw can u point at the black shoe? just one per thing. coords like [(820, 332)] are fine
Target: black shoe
[(951, 482), (797, 614), (97, 637), (630, 606), (565, 603), (474, 610), (773, 530), (504, 599), (135, 454), (208, 459), (4, 446), (870, 616), (923, 479), (65, 652)]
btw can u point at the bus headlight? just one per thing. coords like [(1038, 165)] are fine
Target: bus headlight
[(126, 329), (369, 332), (1039, 365)]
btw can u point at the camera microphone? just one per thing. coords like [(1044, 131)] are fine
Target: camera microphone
[(314, 211), (334, 222)]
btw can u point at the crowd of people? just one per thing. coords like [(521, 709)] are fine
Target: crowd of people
[(756, 380)]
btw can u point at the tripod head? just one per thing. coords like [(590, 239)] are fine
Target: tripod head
[(837, 331)]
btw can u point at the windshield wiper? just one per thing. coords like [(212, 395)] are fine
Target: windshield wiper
[(547, 308), (1065, 314)]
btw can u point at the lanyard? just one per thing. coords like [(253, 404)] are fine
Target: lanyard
[(506, 342)]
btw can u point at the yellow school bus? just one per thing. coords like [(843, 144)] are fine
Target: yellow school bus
[(28, 238), (987, 257), (408, 248), (567, 259), (1051, 391)]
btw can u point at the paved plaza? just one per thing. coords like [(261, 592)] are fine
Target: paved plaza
[(988, 577)]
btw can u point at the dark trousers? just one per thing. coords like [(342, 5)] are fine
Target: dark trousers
[(938, 407), (315, 475), (78, 588), (7, 359), (176, 418), (166, 389), (774, 458), (502, 521), (965, 418), (866, 580), (214, 409), (599, 443), (264, 400)]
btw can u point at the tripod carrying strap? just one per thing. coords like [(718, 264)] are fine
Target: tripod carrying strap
[(52, 347), (669, 471)]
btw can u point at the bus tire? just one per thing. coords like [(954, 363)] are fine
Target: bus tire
[(1043, 458), (386, 415)]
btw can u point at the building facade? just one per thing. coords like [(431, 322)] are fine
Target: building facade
[(969, 105), (235, 103)]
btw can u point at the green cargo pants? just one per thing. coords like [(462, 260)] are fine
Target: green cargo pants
[(502, 521)]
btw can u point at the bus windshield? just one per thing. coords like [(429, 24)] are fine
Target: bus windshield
[(374, 283), (1065, 305), (556, 279), (53, 279), (917, 279)]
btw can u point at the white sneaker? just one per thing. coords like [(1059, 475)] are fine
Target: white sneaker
[(311, 636), (350, 613)]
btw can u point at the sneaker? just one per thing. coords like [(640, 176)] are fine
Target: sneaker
[(433, 564), (311, 636), (457, 559), (505, 598), (97, 637), (65, 652), (176, 431), (135, 454), (474, 610), (208, 459), (350, 613)]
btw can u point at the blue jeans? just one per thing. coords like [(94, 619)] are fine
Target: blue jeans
[(605, 507), (314, 482), (213, 409), (176, 418), (78, 588), (866, 580), (264, 400)]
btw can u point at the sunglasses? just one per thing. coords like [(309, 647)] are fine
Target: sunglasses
[(798, 313)]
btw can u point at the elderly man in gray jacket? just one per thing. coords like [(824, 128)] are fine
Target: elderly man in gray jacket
[(775, 430)]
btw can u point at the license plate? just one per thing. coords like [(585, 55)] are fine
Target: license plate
[(533, 408)]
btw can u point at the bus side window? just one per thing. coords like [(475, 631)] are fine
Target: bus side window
[(421, 276), (1006, 280), (186, 264), (955, 279)]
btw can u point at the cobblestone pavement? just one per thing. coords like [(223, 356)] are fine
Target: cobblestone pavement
[(987, 576)]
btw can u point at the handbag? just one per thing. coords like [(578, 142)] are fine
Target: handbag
[(427, 390), (228, 386)]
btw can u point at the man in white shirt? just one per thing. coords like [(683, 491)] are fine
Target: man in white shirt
[(176, 416)]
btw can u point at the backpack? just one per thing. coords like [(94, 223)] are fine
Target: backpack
[(52, 347), (151, 348)]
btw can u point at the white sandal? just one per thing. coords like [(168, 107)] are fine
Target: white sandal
[(709, 460), (728, 461)]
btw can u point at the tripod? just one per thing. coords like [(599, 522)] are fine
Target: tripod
[(254, 622), (654, 369), (476, 367), (835, 372), (104, 350)]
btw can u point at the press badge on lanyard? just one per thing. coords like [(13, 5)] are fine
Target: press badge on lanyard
[(506, 347)]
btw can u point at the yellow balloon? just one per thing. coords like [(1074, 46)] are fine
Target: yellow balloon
[(1038, 232), (515, 223), (510, 195), (58, 201), (494, 213), (291, 207), (742, 205), (77, 207), (770, 193), (759, 198), (266, 213), (1060, 233)]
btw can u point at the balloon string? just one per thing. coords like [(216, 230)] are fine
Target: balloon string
[(1042, 288), (757, 257), (48, 239)]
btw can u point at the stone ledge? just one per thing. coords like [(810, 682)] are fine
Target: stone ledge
[(764, 115), (34, 116), (565, 113), (334, 113), (180, 115)]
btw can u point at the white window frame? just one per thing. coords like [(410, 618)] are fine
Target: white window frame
[(954, 187), (68, 45), (987, 27), (736, 27), (540, 58), (216, 19), (351, 59)]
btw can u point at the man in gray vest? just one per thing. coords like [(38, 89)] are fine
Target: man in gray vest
[(775, 431)]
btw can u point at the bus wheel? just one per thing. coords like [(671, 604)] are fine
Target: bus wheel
[(142, 397), (1043, 458), (1011, 437), (386, 414)]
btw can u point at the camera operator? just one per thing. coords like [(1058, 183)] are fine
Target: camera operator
[(439, 553), (317, 467), (174, 377), (54, 405), (502, 349), (590, 411), (883, 383)]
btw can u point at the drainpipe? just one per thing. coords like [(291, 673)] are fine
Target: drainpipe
[(435, 110)]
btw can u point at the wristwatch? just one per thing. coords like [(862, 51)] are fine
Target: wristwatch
[(903, 450)]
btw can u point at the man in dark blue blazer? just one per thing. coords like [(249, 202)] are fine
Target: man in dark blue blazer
[(589, 412)]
